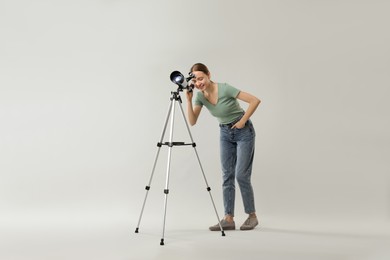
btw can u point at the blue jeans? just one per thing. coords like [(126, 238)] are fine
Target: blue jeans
[(237, 151)]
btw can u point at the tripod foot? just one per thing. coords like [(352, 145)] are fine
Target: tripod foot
[(162, 242), (136, 230), (223, 233)]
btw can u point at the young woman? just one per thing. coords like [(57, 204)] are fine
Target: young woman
[(237, 140)]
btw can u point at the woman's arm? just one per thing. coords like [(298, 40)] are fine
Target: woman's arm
[(193, 112), (253, 104)]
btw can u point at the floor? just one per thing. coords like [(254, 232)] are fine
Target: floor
[(118, 241)]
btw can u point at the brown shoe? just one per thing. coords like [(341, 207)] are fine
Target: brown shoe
[(249, 224), (225, 225)]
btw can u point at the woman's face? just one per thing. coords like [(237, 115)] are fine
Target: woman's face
[(201, 80)]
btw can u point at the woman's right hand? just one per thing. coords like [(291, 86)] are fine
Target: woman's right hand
[(193, 112), (189, 95)]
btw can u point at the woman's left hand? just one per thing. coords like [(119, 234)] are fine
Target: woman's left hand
[(240, 124)]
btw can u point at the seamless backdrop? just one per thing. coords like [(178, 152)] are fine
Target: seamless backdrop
[(84, 92)]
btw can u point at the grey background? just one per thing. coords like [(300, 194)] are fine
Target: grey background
[(84, 92)]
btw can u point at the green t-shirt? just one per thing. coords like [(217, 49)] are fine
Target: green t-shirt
[(227, 108)]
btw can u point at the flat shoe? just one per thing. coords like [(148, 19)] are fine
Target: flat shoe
[(225, 225), (249, 224)]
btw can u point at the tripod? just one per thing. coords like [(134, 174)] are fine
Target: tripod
[(175, 98)]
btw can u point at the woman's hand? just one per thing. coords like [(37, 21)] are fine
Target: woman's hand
[(193, 111), (240, 124), (189, 95)]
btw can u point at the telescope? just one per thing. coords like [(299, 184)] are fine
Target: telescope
[(183, 82)]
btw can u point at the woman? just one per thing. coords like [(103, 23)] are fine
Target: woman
[(237, 140)]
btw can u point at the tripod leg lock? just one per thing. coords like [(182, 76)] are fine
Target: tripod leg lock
[(147, 188), (166, 191), (208, 189)]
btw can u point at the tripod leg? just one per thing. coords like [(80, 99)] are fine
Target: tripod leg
[(147, 188), (166, 190), (201, 168)]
